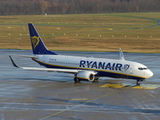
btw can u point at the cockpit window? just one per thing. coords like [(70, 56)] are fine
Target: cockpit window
[(142, 68)]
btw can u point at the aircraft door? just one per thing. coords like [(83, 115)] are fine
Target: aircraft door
[(131, 69)]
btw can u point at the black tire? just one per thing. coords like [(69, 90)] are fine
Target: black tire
[(96, 78), (95, 81), (138, 83), (76, 80)]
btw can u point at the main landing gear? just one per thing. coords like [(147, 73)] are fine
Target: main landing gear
[(76, 80), (139, 81), (95, 79)]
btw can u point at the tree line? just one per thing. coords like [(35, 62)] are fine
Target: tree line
[(23, 7)]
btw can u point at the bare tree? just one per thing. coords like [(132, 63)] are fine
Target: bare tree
[(44, 5), (8, 7)]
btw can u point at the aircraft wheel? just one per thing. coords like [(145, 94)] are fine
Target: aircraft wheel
[(138, 82), (96, 78), (76, 80), (95, 81)]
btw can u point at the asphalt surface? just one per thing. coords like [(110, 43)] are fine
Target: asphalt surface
[(35, 95)]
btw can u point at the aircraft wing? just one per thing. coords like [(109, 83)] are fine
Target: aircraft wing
[(45, 69), (27, 56)]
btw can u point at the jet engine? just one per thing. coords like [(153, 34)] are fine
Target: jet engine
[(86, 75)]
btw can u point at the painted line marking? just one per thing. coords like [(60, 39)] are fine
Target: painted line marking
[(147, 86), (113, 85), (122, 86), (138, 87), (79, 99), (152, 95), (142, 86), (81, 104)]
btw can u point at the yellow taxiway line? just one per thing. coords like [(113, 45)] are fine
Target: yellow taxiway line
[(142, 86)]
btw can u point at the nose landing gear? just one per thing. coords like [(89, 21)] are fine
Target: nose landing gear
[(139, 81)]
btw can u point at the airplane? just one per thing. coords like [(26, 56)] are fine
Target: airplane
[(83, 68)]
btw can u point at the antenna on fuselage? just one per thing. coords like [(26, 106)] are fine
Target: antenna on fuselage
[(121, 54)]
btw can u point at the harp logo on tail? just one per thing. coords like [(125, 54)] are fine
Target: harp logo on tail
[(35, 41)]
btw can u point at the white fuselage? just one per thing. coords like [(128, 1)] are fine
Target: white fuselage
[(103, 67)]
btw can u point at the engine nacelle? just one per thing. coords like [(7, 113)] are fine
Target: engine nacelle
[(86, 75)]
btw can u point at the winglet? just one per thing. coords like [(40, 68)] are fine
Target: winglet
[(14, 64), (121, 54)]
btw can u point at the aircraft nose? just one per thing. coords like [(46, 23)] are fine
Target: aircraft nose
[(149, 73)]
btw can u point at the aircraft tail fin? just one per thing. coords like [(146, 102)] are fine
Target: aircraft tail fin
[(38, 46)]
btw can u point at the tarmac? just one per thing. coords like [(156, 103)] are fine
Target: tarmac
[(38, 95)]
